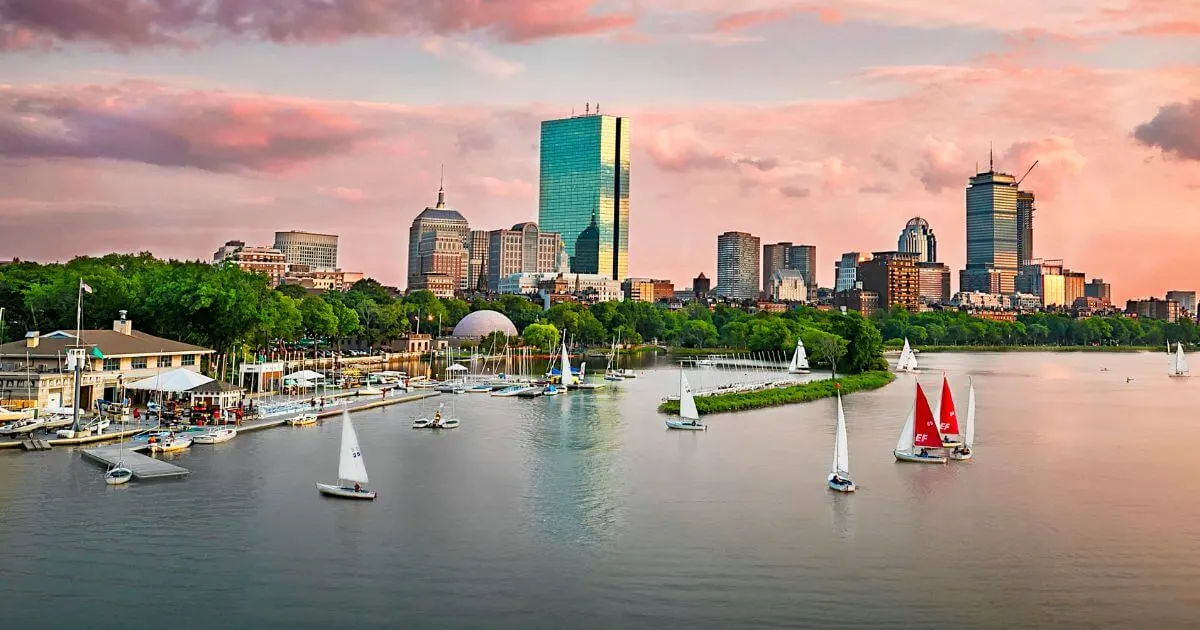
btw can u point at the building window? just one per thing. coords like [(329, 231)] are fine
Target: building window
[(188, 359), (139, 363), (164, 362), (112, 365)]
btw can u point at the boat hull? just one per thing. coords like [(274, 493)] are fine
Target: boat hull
[(1178, 375), (841, 487), (118, 476), (686, 426), (960, 456), (303, 421), (799, 371), (345, 493), (919, 459), (216, 437)]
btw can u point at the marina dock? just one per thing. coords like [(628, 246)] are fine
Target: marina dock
[(143, 467)]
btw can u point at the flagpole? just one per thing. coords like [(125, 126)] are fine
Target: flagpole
[(79, 314), (78, 363)]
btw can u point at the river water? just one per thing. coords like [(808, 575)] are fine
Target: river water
[(582, 511)]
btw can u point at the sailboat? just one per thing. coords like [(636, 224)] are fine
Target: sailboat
[(689, 416), (920, 432), (119, 473), (947, 417), (351, 467), (611, 373), (1179, 364), (437, 422), (799, 364), (963, 451), (839, 472), (908, 359)]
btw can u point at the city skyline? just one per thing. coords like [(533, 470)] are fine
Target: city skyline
[(158, 135)]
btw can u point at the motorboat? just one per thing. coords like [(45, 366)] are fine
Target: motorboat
[(170, 444), (216, 436), (303, 420), (351, 468)]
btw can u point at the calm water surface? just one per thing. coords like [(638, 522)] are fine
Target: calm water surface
[(583, 511)]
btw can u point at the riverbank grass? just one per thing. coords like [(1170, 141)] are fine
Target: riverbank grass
[(803, 392), (922, 349)]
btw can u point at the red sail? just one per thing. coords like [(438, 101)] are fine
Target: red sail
[(948, 422), (925, 429)]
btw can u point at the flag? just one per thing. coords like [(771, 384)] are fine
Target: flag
[(96, 351), (83, 285)]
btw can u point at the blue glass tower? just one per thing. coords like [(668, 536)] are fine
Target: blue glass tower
[(585, 173), (991, 234)]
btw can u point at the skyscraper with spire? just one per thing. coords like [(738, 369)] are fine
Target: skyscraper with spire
[(584, 186), (992, 262), (439, 235)]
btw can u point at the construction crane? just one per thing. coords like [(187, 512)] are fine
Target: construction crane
[(1035, 163)]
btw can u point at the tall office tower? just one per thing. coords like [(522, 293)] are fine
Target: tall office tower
[(737, 265), (523, 249), (1025, 208), (894, 276), (803, 258), (917, 237), (442, 220), (318, 251), (477, 259), (991, 233), (774, 258), (584, 187)]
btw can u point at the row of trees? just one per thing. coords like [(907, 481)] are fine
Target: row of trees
[(225, 308), (958, 328)]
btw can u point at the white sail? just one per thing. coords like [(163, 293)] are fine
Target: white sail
[(351, 466), (905, 443), (565, 367), (1179, 364), (799, 359), (969, 431), (687, 403), (908, 358), (841, 450)]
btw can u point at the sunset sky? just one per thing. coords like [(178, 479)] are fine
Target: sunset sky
[(173, 126)]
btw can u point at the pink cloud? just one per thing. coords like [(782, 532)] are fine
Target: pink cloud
[(343, 193), (127, 24), (505, 188), (1057, 157), (943, 165), (750, 19), (146, 123), (1175, 130)]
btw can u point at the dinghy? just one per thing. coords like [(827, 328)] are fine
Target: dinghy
[(437, 422), (303, 420), (119, 473), (351, 468), (552, 390), (963, 452), (1179, 364), (799, 364), (170, 444), (919, 434), (689, 416), (839, 473), (947, 418), (908, 359)]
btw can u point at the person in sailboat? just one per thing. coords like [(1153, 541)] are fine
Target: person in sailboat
[(962, 449), (924, 452), (357, 487)]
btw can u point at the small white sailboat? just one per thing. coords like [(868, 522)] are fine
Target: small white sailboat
[(351, 467), (611, 373), (119, 473), (963, 451), (839, 473), (1179, 364), (437, 422), (908, 359), (799, 364), (920, 432), (689, 416)]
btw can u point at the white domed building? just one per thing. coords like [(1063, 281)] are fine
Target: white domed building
[(483, 323)]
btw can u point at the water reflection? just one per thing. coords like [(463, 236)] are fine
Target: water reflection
[(575, 487)]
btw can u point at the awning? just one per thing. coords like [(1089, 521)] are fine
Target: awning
[(178, 380)]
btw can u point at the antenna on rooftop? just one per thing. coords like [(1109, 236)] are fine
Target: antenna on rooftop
[(991, 159), (587, 108)]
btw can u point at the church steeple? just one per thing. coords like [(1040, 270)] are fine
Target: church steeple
[(441, 202)]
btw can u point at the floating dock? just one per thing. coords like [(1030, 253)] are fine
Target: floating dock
[(143, 467)]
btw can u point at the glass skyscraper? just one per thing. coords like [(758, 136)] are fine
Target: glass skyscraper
[(585, 178), (991, 234), (917, 237)]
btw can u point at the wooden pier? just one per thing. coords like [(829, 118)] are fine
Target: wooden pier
[(143, 467)]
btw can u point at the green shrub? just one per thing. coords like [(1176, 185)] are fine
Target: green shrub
[(804, 392)]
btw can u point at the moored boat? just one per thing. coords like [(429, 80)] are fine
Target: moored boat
[(170, 444), (303, 420), (216, 436)]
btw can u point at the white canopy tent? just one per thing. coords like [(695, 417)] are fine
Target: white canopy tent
[(303, 375), (457, 367), (178, 381)]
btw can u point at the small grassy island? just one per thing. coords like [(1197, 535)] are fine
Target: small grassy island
[(803, 392)]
